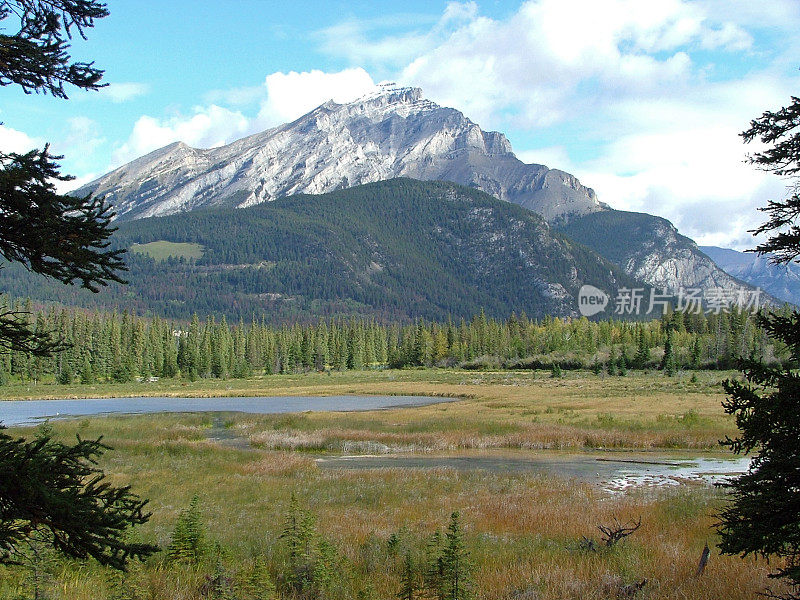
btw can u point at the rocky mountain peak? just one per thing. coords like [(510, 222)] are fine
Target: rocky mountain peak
[(391, 132)]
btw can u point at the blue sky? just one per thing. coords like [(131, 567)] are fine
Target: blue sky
[(642, 100)]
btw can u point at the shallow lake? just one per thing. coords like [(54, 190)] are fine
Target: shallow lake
[(615, 471), (29, 412)]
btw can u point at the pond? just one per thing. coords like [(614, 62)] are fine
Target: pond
[(29, 412), (615, 471)]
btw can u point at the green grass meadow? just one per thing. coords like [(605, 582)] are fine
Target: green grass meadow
[(162, 250)]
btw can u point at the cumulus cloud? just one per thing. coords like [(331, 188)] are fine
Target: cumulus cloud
[(291, 95), (62, 187), (12, 140), (79, 137), (642, 100), (82, 139), (624, 93), (205, 127), (552, 56), (282, 97)]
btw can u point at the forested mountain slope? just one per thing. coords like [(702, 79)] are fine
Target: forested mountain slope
[(398, 249)]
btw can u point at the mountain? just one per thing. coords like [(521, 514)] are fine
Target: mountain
[(650, 249), (781, 281), (394, 249), (395, 132), (391, 133)]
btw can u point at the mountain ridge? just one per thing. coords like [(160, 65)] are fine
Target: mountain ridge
[(651, 249), (395, 133)]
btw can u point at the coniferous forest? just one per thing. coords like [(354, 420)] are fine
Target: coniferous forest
[(119, 346)]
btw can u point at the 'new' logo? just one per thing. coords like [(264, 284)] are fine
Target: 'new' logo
[(591, 300)]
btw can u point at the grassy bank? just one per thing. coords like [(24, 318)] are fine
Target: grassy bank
[(523, 409)]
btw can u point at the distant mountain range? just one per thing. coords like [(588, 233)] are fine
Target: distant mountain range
[(781, 281), (395, 132)]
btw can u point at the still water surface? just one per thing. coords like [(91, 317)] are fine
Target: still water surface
[(29, 412)]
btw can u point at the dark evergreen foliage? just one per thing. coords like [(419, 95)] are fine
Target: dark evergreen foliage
[(54, 492), (61, 237), (121, 347), (409, 585), (37, 56), (188, 543), (456, 580), (763, 516), (779, 131), (616, 234)]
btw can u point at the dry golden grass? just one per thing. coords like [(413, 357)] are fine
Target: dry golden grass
[(523, 530)]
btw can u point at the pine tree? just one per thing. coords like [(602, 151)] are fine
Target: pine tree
[(408, 580), (668, 360), (55, 493), (456, 570), (611, 365), (258, 584), (763, 516), (87, 373), (298, 535), (170, 366), (65, 373), (697, 352), (642, 358), (188, 538), (433, 577), (325, 569)]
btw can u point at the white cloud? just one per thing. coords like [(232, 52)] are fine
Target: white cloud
[(556, 157), (62, 187), (12, 140), (647, 97), (291, 95), (283, 97), (536, 62), (123, 91), (206, 127), (82, 139), (376, 43), (629, 78), (241, 96)]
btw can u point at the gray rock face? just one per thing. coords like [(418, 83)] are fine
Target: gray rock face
[(672, 261), (397, 133), (392, 133), (650, 249)]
